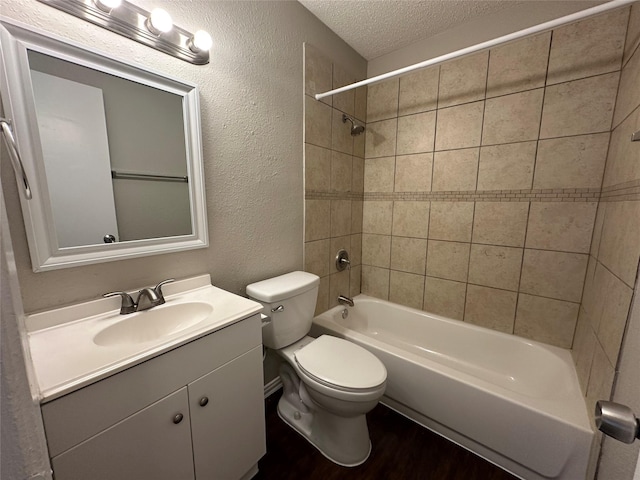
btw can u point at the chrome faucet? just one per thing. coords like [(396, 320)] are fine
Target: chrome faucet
[(147, 298), (342, 300)]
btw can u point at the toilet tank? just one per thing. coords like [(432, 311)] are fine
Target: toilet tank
[(290, 301)]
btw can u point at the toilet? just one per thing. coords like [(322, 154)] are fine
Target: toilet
[(329, 384)]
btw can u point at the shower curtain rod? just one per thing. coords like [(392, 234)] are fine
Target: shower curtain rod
[(484, 45)]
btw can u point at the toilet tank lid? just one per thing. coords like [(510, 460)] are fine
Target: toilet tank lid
[(282, 287)]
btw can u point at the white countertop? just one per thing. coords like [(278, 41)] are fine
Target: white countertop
[(65, 357)]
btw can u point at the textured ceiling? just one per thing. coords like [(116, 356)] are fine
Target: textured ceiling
[(376, 27)]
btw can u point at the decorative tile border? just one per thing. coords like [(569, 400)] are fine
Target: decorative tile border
[(621, 192)]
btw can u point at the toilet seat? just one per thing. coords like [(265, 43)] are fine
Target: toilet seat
[(341, 365)]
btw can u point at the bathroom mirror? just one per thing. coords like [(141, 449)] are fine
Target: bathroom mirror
[(111, 151)]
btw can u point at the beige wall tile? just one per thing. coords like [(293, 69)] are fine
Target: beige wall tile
[(406, 289), (633, 33), (317, 123), (444, 297), (561, 226), (493, 266), (416, 133), (455, 170), (380, 138), (316, 257), (379, 174), (620, 243), (419, 91), (361, 103), (459, 127), (344, 101), (356, 216), (341, 139), (377, 217), (338, 285), (382, 100), (375, 282), (600, 379), (596, 290), (597, 228), (629, 92), (451, 221), (340, 218), (355, 254), (413, 173), (355, 278), (463, 80), (317, 168), (571, 162), (490, 308), (337, 244), (411, 219), (500, 223), (376, 250), (317, 72), (341, 170), (556, 275), (507, 167), (359, 144), (583, 350), (512, 118), (615, 310), (449, 260), (579, 107), (518, 66), (357, 175), (546, 320), (622, 159), (589, 47), (317, 218), (409, 255), (322, 302)]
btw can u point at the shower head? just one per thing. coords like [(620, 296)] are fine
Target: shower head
[(355, 128)]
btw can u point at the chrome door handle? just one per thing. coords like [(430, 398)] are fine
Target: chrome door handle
[(14, 155)]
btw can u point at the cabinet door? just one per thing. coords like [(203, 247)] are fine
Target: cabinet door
[(228, 430), (148, 445)]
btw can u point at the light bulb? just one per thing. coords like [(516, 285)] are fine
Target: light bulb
[(159, 21), (200, 42), (108, 5)]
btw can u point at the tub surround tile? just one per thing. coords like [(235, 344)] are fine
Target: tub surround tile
[(409, 255), (579, 107), (406, 289), (336, 244), (376, 250), (419, 91), (355, 254), (455, 170), (459, 127), (377, 217), (444, 297), (317, 72), (341, 171), (615, 311), (359, 144), (411, 219), (375, 282), (416, 133), (556, 275), (317, 168), (355, 277), (356, 216), (589, 47), (463, 80), (571, 162), (622, 159), (382, 100), (317, 123), (448, 260), (589, 295), (620, 243), (413, 173), (583, 349), (513, 118), (500, 223), (317, 219), (379, 174), (546, 320), (518, 66), (344, 101), (361, 103), (633, 34), (340, 218), (493, 266), (629, 92), (598, 291), (561, 226), (380, 140), (507, 167), (600, 378), (451, 221), (490, 308), (357, 174), (322, 302), (341, 139), (316, 257), (338, 285), (597, 229)]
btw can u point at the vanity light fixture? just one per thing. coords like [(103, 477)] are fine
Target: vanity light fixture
[(154, 29)]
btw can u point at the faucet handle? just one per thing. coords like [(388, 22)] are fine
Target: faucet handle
[(158, 289), (128, 305)]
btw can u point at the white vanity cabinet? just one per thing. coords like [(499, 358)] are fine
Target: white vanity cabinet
[(195, 412)]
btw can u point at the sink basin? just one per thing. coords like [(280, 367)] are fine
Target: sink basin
[(153, 324)]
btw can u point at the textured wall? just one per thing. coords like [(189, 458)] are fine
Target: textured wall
[(252, 108)]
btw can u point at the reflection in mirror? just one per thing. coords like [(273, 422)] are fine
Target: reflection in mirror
[(113, 152)]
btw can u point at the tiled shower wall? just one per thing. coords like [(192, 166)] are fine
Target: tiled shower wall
[(334, 178), (483, 175)]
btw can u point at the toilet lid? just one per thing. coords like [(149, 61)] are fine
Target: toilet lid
[(341, 363)]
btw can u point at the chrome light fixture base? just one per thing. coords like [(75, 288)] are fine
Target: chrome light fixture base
[(130, 21)]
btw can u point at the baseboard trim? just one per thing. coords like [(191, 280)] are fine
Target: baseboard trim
[(272, 387)]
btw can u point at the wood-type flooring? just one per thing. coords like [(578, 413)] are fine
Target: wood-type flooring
[(402, 450)]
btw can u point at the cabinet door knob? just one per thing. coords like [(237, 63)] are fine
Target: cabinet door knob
[(177, 418), (204, 401)]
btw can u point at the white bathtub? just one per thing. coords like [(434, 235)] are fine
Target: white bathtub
[(513, 401)]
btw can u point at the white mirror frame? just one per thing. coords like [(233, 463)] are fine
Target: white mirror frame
[(17, 98)]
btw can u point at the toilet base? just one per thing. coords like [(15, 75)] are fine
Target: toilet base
[(343, 440)]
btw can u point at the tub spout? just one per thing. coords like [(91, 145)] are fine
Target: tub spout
[(345, 300)]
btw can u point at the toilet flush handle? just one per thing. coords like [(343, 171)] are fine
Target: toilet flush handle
[(279, 308)]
